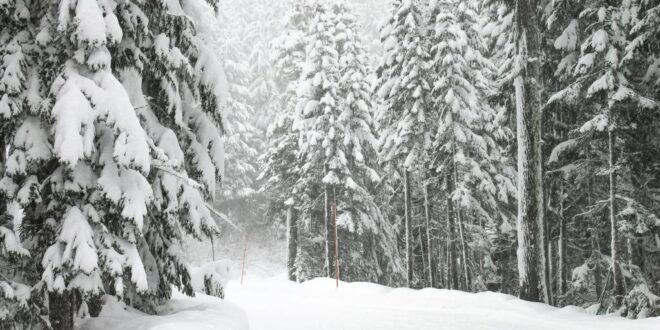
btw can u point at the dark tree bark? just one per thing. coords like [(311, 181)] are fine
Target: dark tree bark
[(429, 238), (60, 310), (464, 254), (292, 242), (408, 228), (561, 243), (452, 271), (528, 117), (617, 279)]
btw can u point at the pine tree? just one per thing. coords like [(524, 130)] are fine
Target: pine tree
[(403, 90), (97, 111), (467, 153), (363, 225), (279, 170), (602, 70)]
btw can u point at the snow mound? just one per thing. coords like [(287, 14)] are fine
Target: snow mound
[(181, 312), (212, 278), (276, 303)]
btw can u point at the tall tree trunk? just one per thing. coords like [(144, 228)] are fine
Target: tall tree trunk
[(561, 243), (292, 242), (429, 238), (441, 265), (452, 271), (528, 117), (616, 279), (408, 228), (421, 240), (3, 153), (60, 310), (464, 259), (326, 227)]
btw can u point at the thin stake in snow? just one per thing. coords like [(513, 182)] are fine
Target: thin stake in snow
[(244, 256), (334, 222)]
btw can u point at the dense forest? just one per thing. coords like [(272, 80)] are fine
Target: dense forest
[(509, 146)]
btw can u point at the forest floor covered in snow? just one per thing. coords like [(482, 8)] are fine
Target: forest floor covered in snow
[(181, 313), (273, 303)]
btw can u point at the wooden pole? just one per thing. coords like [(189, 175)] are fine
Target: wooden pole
[(244, 256), (334, 221), (212, 249)]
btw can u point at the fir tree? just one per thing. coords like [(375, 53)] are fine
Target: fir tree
[(96, 160), (404, 89)]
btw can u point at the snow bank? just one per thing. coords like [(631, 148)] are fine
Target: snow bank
[(275, 303), (212, 278), (182, 312)]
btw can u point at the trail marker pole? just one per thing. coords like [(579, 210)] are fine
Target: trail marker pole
[(334, 221)]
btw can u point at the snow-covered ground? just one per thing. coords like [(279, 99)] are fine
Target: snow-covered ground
[(181, 313), (276, 304), (272, 303)]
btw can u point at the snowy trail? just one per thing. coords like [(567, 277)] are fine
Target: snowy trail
[(275, 304)]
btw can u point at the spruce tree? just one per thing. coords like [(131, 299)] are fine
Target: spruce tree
[(404, 88), (99, 103)]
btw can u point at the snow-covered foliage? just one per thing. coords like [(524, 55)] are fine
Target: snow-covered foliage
[(468, 138), (404, 86), (111, 121)]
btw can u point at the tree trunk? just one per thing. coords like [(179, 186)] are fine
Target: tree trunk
[(326, 224), (459, 218), (3, 154), (561, 243), (292, 242), (408, 228), (544, 254), (528, 117), (421, 241), (616, 279), (464, 259), (429, 238), (60, 310), (452, 271)]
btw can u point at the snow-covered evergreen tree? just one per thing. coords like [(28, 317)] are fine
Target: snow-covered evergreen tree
[(479, 179), (280, 171), (601, 65), (404, 89), (100, 103)]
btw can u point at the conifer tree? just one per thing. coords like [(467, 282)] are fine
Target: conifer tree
[(477, 175), (98, 104), (404, 89)]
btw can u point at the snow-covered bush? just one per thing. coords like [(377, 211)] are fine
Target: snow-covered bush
[(212, 278)]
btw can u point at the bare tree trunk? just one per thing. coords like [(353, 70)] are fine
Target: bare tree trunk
[(326, 227), (616, 279), (464, 259), (429, 238), (292, 242), (528, 114), (3, 154), (60, 310), (452, 271), (336, 241), (408, 228), (421, 240), (561, 243)]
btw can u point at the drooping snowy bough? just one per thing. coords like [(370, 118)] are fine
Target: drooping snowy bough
[(110, 114)]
